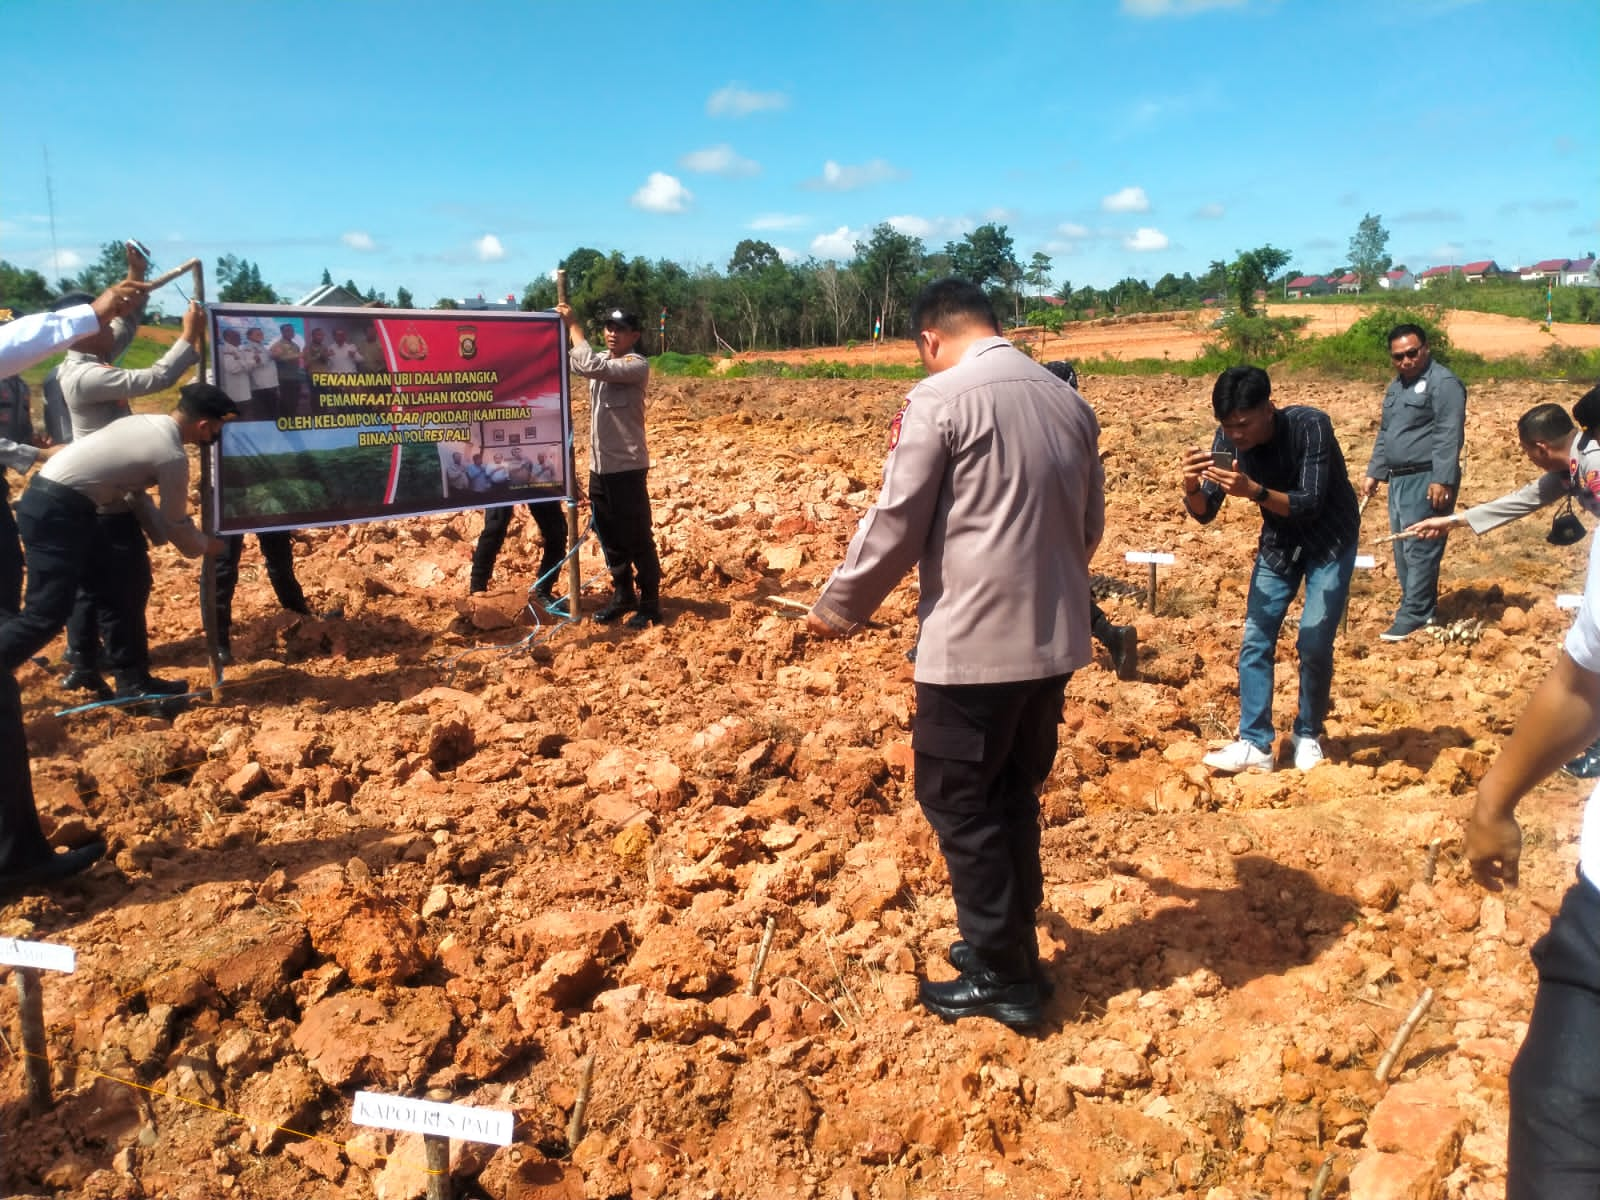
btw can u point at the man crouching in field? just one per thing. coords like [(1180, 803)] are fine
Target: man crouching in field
[(993, 490)]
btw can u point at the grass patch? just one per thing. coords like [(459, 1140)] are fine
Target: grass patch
[(699, 366)]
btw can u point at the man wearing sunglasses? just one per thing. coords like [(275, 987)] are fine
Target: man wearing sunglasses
[(1418, 453)]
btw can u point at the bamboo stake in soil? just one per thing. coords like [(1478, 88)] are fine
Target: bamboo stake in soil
[(580, 1106), (35, 1053), (436, 1156), (761, 955), (1403, 1035), (1321, 1181)]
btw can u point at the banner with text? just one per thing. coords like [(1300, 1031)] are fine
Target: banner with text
[(361, 414)]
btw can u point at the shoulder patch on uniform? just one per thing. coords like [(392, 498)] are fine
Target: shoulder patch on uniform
[(894, 425)]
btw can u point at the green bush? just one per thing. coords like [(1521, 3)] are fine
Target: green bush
[(670, 362)]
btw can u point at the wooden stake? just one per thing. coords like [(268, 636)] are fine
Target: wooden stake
[(761, 955), (1321, 1181), (35, 1053), (574, 572), (1431, 863), (1403, 1035), (436, 1155), (1152, 587), (580, 1106)]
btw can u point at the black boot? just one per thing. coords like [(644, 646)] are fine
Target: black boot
[(623, 600), (963, 957), (81, 680), (649, 611), (1001, 987)]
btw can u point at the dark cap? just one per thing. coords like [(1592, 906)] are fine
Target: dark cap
[(70, 300), (1064, 371), (206, 401), (622, 317)]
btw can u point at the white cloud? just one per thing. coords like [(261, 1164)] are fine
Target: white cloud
[(663, 194), (1210, 212), (934, 227), (836, 177), (787, 253), (1070, 229), (488, 248), (357, 239), (840, 244), (1145, 238), (719, 160), (69, 260), (1129, 199), (1174, 8), (736, 100), (779, 221)]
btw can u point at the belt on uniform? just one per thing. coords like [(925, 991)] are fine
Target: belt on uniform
[(1409, 469), (60, 493)]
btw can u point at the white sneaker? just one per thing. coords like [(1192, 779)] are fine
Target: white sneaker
[(1307, 752), (1239, 756)]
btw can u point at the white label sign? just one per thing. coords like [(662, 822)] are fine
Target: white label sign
[(424, 1116), (1567, 600), (41, 956), (1366, 560), (1146, 556)]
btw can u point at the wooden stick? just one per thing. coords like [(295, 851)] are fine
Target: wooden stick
[(574, 571), (1403, 1035), (1152, 587), (35, 1052), (1321, 1181), (208, 564), (436, 1155), (1362, 507), (761, 955), (788, 603), (580, 1106), (1394, 537), (1431, 863)]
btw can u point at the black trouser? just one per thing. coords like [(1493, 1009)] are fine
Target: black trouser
[(552, 523), (22, 842), (58, 539), (277, 549), (10, 555), (621, 508), (1554, 1151), (111, 601), (982, 752)]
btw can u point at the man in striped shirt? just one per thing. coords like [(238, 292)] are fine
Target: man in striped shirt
[(1286, 461)]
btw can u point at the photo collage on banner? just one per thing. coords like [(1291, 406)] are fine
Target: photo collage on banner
[(362, 414)]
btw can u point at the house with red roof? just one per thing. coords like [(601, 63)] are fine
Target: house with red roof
[(1398, 280), (1307, 285), (1550, 268), (1347, 284), (1433, 275), (1477, 272)]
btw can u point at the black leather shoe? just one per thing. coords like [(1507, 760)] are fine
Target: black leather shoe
[(150, 686), (984, 994), (648, 615), (80, 680), (224, 656), (1124, 647), (620, 602), (544, 597), (964, 958), (50, 869)]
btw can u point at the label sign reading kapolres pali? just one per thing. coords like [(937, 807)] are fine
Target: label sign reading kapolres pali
[(41, 956), (424, 1116), (367, 414)]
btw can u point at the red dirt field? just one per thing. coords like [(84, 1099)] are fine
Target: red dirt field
[(404, 853), (1183, 336)]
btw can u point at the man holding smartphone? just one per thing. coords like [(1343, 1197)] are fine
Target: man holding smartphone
[(1287, 462)]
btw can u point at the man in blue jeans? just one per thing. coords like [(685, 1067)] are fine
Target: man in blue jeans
[(1287, 462)]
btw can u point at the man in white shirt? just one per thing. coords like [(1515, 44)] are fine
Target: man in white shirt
[(235, 367), (344, 357), (1554, 1140)]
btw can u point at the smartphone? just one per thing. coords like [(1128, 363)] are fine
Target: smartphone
[(1222, 460)]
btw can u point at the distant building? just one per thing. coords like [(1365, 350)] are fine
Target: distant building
[(1307, 285), (331, 295), (1477, 272), (1398, 280), (1434, 274), (479, 304), (1580, 273), (1347, 284), (1550, 268)]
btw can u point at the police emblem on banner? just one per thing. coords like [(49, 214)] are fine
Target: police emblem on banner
[(467, 340)]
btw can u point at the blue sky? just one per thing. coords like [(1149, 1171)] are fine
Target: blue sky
[(465, 148)]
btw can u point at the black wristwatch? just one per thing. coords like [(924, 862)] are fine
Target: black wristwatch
[(1261, 493)]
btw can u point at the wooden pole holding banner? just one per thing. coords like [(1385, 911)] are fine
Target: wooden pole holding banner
[(208, 524), (574, 571)]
